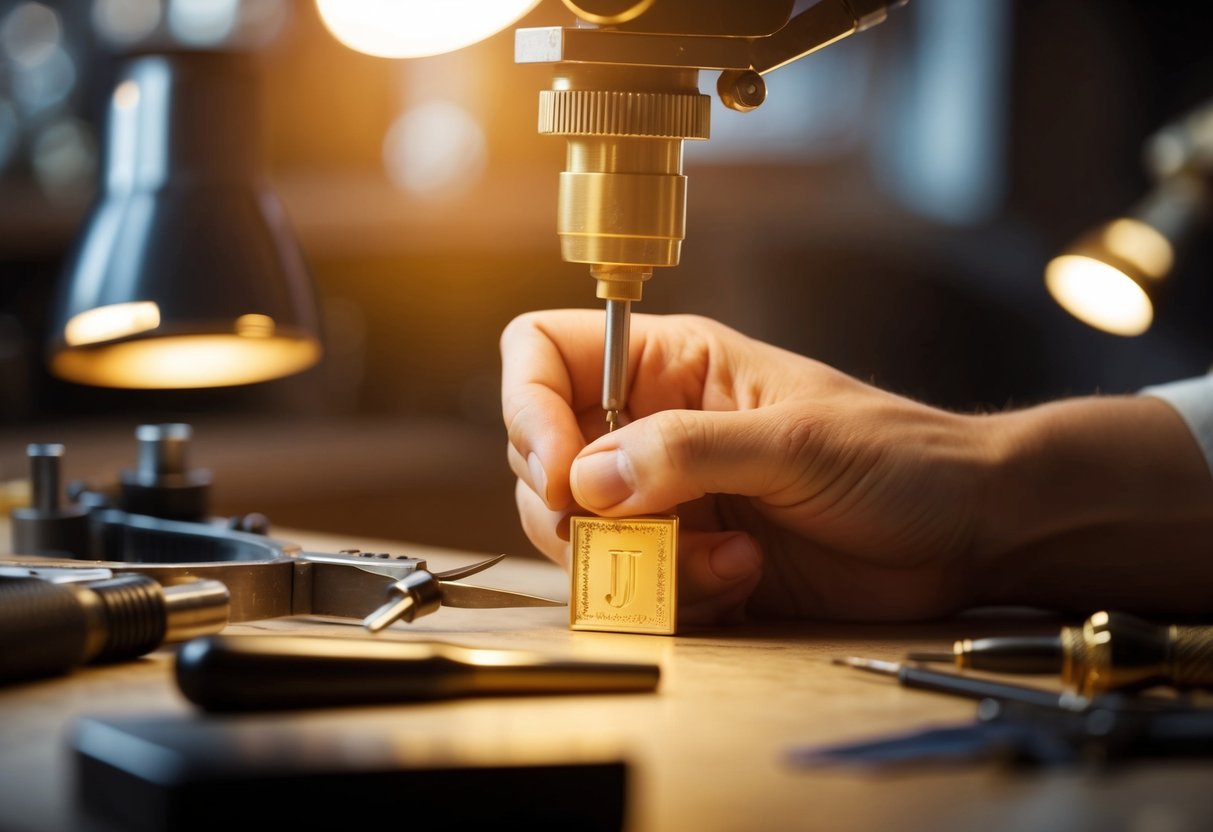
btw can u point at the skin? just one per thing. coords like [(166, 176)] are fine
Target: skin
[(805, 493)]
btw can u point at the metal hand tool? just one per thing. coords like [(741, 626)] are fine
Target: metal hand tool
[(172, 539), (52, 621), (255, 672), (1110, 651), (1019, 724)]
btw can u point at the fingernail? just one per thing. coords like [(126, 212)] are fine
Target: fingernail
[(602, 479), (539, 477), (735, 558)]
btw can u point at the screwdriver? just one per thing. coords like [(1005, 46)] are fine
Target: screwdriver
[(1001, 654), (1109, 651)]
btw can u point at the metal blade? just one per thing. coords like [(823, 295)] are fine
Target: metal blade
[(471, 596), (470, 569)]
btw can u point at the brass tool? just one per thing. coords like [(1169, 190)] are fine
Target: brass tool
[(1110, 651), (1115, 651), (625, 94)]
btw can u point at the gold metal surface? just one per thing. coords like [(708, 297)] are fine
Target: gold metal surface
[(622, 198), (624, 574)]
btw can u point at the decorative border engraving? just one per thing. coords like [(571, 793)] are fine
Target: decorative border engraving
[(596, 537)]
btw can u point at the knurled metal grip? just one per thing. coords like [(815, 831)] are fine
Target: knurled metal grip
[(1192, 657), (665, 115), (622, 195)]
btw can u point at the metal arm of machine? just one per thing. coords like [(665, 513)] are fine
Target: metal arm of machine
[(820, 25), (625, 94)]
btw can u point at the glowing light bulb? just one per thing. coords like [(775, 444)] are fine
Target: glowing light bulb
[(416, 28), (1099, 294)]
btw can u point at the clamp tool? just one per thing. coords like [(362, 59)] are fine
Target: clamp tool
[(158, 525)]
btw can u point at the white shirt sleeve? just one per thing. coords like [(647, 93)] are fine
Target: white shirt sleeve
[(1193, 398)]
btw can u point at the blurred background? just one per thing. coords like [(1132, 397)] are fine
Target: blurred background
[(890, 210)]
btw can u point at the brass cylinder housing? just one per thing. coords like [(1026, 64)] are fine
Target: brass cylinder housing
[(622, 197)]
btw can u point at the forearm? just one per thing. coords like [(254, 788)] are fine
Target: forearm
[(1098, 502)]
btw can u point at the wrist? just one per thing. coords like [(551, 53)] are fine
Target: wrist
[(1077, 479)]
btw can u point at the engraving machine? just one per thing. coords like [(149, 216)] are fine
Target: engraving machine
[(625, 94)]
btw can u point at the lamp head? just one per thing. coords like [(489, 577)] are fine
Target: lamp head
[(1114, 276), (186, 273)]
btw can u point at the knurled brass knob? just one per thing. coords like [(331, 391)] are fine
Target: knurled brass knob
[(668, 115)]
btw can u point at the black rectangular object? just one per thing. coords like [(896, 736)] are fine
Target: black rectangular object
[(182, 773)]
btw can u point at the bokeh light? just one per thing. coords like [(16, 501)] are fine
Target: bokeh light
[(30, 33), (435, 149), (125, 22), (203, 22)]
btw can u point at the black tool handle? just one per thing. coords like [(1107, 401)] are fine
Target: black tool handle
[(262, 672), (1012, 654), (48, 628), (43, 628)]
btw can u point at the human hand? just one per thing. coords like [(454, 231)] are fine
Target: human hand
[(844, 500), (803, 492)]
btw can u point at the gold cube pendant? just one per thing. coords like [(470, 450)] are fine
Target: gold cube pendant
[(624, 574)]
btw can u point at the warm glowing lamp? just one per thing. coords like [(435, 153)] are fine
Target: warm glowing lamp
[(417, 28), (1113, 277), (186, 273)]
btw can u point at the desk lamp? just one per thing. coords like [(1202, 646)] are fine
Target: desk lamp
[(186, 273), (1113, 276)]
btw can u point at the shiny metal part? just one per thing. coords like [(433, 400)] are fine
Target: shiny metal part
[(1109, 652), (270, 578), (624, 574), (265, 577), (424, 592), (615, 360), (1113, 651), (824, 23), (625, 95), (195, 608)]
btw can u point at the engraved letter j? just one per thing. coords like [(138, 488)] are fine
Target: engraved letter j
[(623, 577)]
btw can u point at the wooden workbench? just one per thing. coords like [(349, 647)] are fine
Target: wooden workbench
[(707, 751)]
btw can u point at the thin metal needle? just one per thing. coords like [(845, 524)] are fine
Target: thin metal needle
[(615, 360), (915, 677)]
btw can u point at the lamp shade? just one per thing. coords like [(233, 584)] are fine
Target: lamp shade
[(1114, 276), (186, 272)]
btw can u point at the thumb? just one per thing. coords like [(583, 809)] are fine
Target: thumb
[(675, 456)]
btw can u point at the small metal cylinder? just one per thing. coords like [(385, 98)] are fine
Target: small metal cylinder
[(162, 484), (162, 449), (45, 461), (47, 526), (622, 196), (196, 608)]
